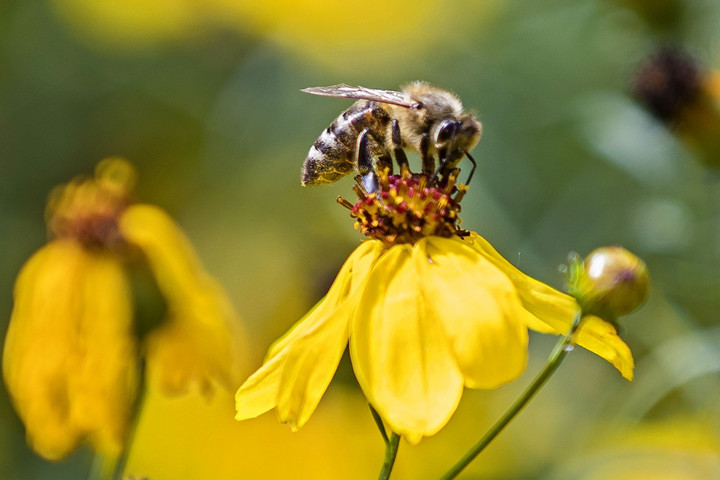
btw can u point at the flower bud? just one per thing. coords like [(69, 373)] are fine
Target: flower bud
[(610, 282)]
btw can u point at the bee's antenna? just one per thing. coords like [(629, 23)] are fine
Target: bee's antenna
[(474, 163)]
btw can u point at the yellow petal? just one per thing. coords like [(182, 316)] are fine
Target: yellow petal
[(310, 365), (69, 359), (555, 312), (478, 308), (259, 392), (556, 309), (300, 365), (107, 377), (601, 337), (351, 277), (182, 352), (202, 341), (175, 265), (401, 357)]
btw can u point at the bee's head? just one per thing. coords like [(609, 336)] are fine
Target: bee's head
[(455, 136)]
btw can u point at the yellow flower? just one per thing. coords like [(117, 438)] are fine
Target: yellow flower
[(424, 318), (71, 356)]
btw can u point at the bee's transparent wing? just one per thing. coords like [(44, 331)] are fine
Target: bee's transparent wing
[(362, 93)]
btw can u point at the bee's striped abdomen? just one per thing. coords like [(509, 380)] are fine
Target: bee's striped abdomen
[(332, 156)]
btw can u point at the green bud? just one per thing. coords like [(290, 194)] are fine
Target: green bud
[(610, 282)]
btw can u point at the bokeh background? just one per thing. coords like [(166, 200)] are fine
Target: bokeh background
[(203, 96)]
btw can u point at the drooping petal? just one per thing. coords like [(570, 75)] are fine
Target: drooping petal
[(555, 312), (601, 337), (70, 358), (300, 365), (554, 308), (401, 357), (478, 308), (202, 341)]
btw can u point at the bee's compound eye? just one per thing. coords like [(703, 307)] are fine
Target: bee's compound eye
[(446, 131)]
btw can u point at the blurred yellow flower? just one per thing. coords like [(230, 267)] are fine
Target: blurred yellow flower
[(71, 355), (337, 33), (676, 448), (133, 24), (344, 35), (424, 318)]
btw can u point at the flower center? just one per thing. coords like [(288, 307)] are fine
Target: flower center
[(88, 209), (407, 207)]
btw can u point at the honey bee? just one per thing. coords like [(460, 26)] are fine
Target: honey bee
[(426, 119)]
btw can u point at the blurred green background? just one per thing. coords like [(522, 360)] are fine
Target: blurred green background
[(203, 97)]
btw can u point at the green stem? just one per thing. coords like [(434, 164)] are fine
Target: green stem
[(391, 448), (121, 463), (102, 468), (379, 423), (563, 347)]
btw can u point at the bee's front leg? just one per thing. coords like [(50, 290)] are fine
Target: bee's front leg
[(363, 160), (428, 162), (442, 171)]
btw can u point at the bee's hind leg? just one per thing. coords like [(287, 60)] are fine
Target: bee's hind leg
[(363, 160)]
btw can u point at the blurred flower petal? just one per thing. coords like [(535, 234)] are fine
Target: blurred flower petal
[(201, 341), (70, 348)]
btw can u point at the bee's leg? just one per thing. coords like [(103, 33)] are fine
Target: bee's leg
[(384, 161), (363, 160), (441, 170), (428, 162), (400, 156)]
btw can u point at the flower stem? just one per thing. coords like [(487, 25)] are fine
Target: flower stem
[(379, 423), (562, 348), (121, 464), (102, 468), (391, 448)]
